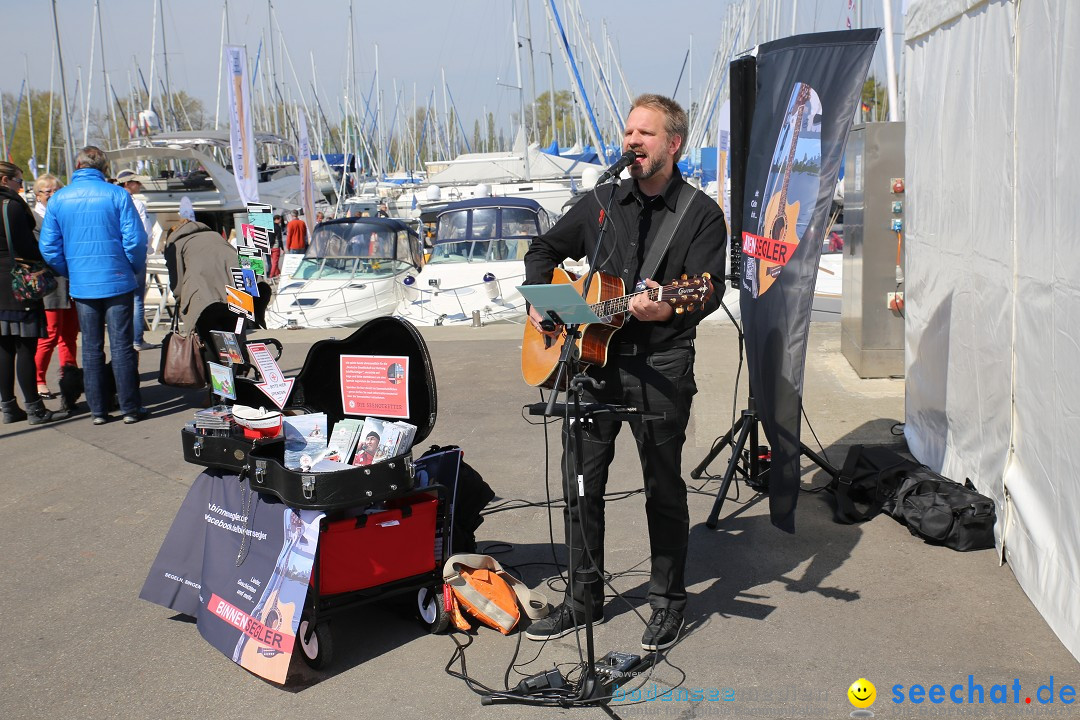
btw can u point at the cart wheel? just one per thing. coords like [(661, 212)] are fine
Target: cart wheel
[(429, 602), (319, 650)]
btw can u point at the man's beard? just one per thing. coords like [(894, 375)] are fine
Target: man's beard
[(651, 167)]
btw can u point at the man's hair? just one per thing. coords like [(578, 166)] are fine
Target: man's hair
[(47, 181), (675, 120), (9, 170), (91, 157), (374, 435)]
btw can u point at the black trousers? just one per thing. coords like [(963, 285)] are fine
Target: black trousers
[(656, 382)]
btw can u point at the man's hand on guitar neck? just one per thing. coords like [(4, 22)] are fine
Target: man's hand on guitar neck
[(537, 320), (648, 310)]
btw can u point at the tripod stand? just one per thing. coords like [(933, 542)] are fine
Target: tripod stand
[(747, 428)]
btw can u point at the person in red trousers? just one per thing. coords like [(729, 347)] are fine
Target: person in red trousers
[(61, 319)]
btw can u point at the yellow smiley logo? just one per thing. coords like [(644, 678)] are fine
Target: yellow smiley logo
[(862, 693)]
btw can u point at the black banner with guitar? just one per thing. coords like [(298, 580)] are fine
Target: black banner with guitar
[(808, 88), (240, 564)]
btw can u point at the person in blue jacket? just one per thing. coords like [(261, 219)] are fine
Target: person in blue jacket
[(92, 235)]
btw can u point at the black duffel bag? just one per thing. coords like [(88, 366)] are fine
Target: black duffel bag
[(878, 479), (944, 512)]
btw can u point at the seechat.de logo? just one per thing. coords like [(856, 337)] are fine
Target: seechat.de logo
[(862, 695)]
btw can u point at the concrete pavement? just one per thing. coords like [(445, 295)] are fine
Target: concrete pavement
[(782, 624)]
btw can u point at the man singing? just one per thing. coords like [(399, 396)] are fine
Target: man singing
[(650, 360)]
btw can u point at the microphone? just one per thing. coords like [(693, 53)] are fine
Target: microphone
[(621, 164)]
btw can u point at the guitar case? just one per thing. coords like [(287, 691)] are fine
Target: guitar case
[(317, 388)]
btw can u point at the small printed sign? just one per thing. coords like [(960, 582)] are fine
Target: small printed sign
[(250, 257), (290, 262), (221, 380), (375, 385), (240, 302), (275, 385)]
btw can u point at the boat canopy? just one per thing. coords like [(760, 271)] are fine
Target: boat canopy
[(488, 229), (366, 247)]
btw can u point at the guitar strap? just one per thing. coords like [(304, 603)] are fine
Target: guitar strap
[(668, 227)]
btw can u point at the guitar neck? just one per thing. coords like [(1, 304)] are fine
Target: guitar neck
[(621, 305), (800, 100)]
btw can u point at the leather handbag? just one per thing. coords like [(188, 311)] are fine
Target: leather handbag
[(30, 279), (182, 363)]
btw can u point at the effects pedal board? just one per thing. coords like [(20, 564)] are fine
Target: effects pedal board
[(619, 667)]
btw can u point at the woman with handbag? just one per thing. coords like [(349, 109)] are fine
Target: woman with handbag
[(22, 319)]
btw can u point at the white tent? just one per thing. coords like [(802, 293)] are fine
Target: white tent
[(993, 273)]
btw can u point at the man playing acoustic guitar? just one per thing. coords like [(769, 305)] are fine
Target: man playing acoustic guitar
[(650, 361)]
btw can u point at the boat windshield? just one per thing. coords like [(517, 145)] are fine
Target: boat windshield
[(340, 251), (484, 235)]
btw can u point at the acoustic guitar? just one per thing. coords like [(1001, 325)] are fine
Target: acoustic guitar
[(540, 353), (276, 617), (780, 216)]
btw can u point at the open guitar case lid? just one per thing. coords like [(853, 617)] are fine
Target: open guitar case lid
[(317, 388)]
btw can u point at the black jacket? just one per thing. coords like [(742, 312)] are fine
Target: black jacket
[(21, 221), (697, 247)]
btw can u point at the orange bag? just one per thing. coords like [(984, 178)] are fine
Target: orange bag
[(479, 585)]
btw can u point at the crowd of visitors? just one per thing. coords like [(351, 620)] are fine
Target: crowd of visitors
[(93, 237)]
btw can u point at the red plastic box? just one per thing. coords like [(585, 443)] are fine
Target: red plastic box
[(369, 550)]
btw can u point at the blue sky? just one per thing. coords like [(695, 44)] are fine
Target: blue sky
[(417, 40)]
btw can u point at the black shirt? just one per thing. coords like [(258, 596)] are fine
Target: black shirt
[(697, 247)]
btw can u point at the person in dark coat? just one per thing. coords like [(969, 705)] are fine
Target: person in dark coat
[(21, 323)]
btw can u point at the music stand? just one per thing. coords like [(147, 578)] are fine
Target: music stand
[(559, 302)]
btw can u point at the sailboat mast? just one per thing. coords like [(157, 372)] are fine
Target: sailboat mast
[(105, 80), (449, 125), (380, 153), (168, 84), (551, 84), (49, 139), (221, 61), (690, 82), (153, 58), (69, 154), (90, 76), (30, 114), (521, 94), (890, 62), (532, 72)]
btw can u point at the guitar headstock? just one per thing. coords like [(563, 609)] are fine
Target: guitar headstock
[(687, 294)]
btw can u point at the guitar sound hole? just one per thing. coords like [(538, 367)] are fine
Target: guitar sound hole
[(778, 228), (272, 619)]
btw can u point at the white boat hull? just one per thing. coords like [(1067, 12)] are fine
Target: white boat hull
[(332, 303), (460, 294)]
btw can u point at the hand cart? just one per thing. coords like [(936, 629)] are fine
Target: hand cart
[(353, 565)]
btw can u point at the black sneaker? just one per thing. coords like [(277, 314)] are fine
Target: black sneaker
[(662, 630), (560, 622)]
